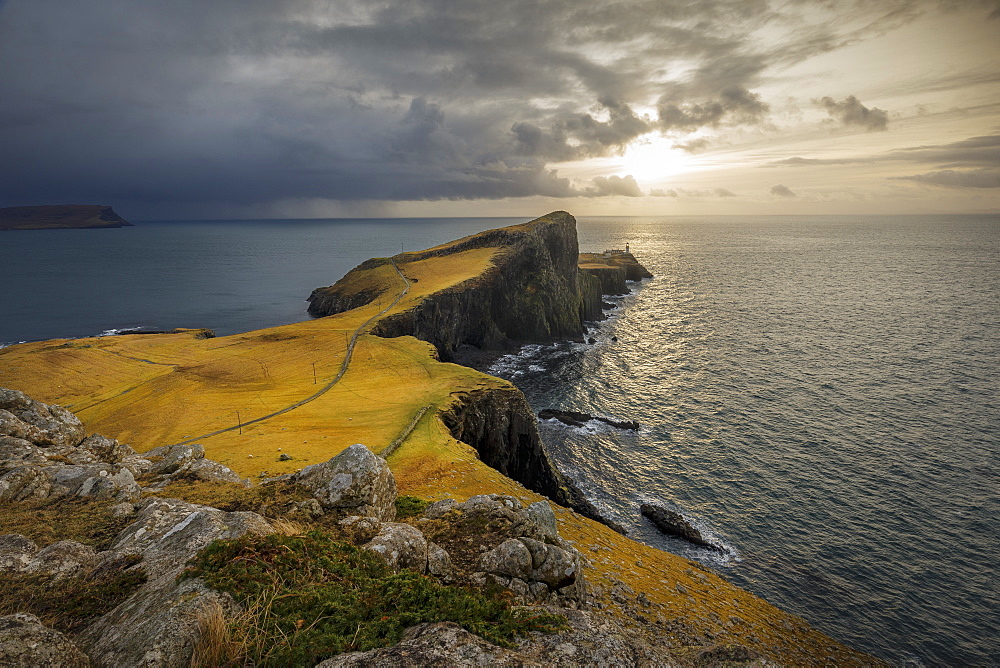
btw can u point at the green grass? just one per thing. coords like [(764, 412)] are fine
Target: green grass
[(308, 597), (409, 506)]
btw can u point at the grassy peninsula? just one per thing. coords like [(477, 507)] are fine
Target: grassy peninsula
[(273, 401), (60, 217)]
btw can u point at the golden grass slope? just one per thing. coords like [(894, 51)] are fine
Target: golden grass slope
[(152, 390)]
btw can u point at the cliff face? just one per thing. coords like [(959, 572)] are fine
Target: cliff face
[(591, 293), (502, 428), (532, 289), (531, 293), (66, 216), (610, 279), (612, 269)]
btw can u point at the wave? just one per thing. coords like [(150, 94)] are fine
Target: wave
[(115, 331)]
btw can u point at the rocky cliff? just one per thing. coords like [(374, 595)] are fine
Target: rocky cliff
[(531, 293), (612, 270), (64, 216), (502, 428)]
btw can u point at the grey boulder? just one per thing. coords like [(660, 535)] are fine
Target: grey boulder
[(26, 643), (63, 559), (168, 459), (440, 644), (158, 624), (401, 545), (355, 482), (55, 425), (106, 449), (16, 552)]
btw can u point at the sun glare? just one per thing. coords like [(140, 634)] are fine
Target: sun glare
[(653, 159)]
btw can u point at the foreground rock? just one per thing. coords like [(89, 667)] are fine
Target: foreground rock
[(517, 548), (674, 524), (578, 419), (44, 455), (592, 639), (355, 482), (26, 643), (158, 624)]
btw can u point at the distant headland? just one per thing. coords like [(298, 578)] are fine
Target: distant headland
[(60, 217)]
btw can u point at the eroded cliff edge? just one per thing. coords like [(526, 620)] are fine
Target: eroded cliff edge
[(532, 292)]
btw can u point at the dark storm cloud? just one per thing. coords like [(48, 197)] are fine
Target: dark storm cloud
[(850, 111), (576, 136), (782, 191), (260, 101)]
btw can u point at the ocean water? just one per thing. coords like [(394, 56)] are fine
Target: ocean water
[(818, 394), (230, 276)]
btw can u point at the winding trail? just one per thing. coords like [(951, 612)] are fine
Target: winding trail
[(326, 388)]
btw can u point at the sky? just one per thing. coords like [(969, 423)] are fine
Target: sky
[(190, 109)]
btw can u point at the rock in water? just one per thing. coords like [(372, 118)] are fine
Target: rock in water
[(674, 524), (577, 419)]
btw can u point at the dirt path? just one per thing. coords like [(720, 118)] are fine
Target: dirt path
[(326, 388)]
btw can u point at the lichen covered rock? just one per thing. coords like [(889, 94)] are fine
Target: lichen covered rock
[(355, 482), (26, 643)]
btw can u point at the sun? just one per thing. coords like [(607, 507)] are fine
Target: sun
[(652, 159)]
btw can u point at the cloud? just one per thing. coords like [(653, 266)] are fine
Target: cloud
[(950, 178), (660, 192), (163, 106), (850, 111), (694, 145), (782, 191), (981, 151), (614, 185), (714, 192), (581, 135), (816, 161), (733, 105)]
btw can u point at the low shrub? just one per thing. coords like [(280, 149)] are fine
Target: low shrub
[(308, 597), (409, 506)]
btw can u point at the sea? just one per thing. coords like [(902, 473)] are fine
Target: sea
[(817, 394)]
